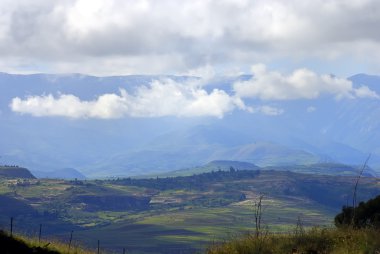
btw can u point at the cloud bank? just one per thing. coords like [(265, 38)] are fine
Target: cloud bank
[(161, 98), (170, 36), (167, 97), (300, 84)]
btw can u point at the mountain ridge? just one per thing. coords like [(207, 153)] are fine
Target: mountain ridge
[(341, 131)]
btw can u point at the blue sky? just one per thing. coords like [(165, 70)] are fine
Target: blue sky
[(196, 37)]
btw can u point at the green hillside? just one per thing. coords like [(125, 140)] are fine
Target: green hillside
[(21, 244), (11, 245), (216, 165), (15, 172), (175, 214), (336, 169), (11, 206), (333, 169), (315, 241), (357, 232)]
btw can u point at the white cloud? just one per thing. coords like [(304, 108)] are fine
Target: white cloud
[(300, 84), (161, 98), (170, 36), (311, 109), (206, 72), (268, 110), (365, 92)]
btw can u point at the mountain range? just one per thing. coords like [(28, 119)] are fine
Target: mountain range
[(304, 131)]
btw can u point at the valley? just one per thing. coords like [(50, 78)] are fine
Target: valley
[(175, 214), (189, 127)]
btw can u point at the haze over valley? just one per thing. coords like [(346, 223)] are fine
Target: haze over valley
[(132, 125)]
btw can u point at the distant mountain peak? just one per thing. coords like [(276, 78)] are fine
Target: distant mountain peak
[(65, 173)]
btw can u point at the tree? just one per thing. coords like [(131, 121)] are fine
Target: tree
[(367, 214)]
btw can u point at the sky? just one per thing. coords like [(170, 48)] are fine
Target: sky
[(294, 50), (189, 37)]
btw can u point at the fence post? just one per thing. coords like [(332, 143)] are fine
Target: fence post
[(71, 238), (11, 226), (98, 247), (39, 234), (123, 250)]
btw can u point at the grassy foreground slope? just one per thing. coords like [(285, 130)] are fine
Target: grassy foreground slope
[(315, 241), (24, 245)]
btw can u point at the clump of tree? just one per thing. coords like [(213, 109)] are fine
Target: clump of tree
[(366, 214)]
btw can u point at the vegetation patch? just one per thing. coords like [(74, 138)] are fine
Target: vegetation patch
[(314, 241)]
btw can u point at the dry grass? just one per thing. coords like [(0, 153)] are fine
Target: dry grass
[(54, 245), (314, 241)]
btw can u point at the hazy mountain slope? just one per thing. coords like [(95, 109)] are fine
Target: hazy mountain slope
[(334, 169), (308, 131), (217, 165), (65, 173)]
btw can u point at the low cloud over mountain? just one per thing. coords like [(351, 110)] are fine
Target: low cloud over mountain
[(300, 84), (161, 98), (190, 97), (130, 125)]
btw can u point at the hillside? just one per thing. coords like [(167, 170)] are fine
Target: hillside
[(172, 214), (333, 169), (315, 241), (15, 172), (336, 169), (65, 173), (216, 165), (22, 244), (357, 231), (11, 245)]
